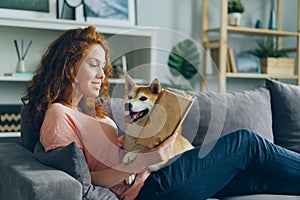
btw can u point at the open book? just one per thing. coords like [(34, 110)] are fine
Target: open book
[(165, 118)]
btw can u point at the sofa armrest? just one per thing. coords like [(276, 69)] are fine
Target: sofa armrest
[(23, 177)]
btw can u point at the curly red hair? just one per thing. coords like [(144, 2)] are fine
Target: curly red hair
[(54, 79)]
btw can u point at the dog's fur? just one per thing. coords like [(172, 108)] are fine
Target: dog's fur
[(138, 101)]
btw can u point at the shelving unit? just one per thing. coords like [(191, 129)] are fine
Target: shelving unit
[(222, 44), (120, 38)]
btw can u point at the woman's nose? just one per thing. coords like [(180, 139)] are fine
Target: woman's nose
[(100, 73)]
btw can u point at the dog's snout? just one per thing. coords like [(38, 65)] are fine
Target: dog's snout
[(127, 106)]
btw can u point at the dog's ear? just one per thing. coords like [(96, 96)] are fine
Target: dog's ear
[(129, 83), (155, 86)]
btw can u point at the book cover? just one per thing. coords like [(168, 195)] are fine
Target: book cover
[(232, 60), (165, 117)]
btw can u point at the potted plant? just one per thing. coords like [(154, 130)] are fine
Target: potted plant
[(235, 10), (272, 60)]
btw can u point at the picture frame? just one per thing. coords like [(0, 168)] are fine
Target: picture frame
[(33, 9), (119, 67), (10, 118), (116, 12), (248, 64)]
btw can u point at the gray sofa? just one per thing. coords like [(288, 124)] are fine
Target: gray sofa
[(273, 111)]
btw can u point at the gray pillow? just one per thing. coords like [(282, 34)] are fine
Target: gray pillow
[(71, 160), (217, 114), (29, 137), (285, 101)]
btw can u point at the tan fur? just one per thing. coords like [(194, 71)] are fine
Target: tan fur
[(133, 94)]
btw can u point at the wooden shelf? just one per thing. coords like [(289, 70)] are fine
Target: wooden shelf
[(225, 31), (258, 76), (15, 79), (63, 24), (251, 31), (25, 79), (122, 81), (9, 134)]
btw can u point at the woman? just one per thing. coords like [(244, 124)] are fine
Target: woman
[(61, 104)]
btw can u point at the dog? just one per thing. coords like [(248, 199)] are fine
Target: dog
[(138, 102)]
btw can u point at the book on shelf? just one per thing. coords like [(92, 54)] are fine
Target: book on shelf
[(232, 60)]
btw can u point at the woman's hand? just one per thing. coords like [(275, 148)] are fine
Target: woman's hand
[(157, 154)]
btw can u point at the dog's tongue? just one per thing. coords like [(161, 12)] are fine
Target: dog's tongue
[(131, 118)]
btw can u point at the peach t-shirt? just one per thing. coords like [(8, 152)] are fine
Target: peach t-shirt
[(97, 137)]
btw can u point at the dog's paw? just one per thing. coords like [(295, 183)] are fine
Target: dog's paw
[(153, 168), (130, 180), (129, 157)]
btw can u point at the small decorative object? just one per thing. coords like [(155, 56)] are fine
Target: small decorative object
[(272, 60), (248, 64), (273, 22), (70, 9), (235, 10), (258, 24), (21, 55)]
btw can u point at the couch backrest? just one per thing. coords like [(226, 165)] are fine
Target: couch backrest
[(216, 114)]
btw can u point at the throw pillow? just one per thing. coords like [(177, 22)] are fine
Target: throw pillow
[(71, 160), (285, 102), (29, 137), (216, 114)]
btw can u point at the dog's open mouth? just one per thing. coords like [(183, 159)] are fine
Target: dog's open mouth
[(135, 116)]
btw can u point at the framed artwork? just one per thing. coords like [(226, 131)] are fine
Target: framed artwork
[(34, 9), (119, 67), (117, 12), (10, 118), (248, 64)]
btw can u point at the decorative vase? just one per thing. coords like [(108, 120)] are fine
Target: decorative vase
[(21, 66), (273, 21), (235, 19)]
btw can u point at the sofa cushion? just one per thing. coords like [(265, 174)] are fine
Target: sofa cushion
[(29, 137), (216, 114), (71, 160), (285, 102), (24, 178)]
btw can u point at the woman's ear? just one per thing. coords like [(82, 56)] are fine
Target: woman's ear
[(129, 83), (155, 86)]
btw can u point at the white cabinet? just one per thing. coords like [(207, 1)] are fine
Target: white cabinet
[(132, 41)]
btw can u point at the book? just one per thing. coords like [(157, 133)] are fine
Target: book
[(165, 118), (232, 60)]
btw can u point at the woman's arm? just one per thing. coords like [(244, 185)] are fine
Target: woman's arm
[(112, 176)]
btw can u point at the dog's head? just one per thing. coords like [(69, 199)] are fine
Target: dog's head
[(139, 100)]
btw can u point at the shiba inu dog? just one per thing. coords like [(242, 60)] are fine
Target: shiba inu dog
[(138, 102)]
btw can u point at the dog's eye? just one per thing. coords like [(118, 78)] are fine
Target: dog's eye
[(143, 98), (129, 97)]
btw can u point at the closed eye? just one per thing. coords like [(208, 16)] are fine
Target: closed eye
[(143, 98)]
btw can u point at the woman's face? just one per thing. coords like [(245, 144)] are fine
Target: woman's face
[(91, 75)]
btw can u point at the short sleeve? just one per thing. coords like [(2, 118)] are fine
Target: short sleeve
[(58, 128)]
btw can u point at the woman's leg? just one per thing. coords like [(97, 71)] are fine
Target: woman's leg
[(191, 177), (253, 182)]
